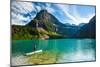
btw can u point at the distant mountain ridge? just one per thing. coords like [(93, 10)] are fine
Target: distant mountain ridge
[(46, 21)]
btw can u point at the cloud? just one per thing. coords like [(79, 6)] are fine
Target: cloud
[(38, 8), (22, 7), (24, 12), (80, 18), (50, 10), (85, 19), (21, 12), (65, 9), (72, 14)]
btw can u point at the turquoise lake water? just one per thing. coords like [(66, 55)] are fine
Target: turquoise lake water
[(72, 50)]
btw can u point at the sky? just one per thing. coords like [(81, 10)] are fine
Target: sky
[(23, 12)]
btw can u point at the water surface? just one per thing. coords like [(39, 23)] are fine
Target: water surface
[(70, 50)]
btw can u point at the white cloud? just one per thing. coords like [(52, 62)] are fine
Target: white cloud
[(18, 19), (48, 4), (74, 16), (38, 8), (50, 10), (86, 19), (65, 9), (82, 19), (22, 7), (18, 11), (17, 22)]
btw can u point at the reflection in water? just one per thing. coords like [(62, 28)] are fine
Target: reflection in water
[(80, 54), (79, 47)]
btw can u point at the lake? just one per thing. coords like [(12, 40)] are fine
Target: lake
[(70, 50)]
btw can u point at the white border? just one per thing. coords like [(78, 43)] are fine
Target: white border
[(86, 2), (4, 33)]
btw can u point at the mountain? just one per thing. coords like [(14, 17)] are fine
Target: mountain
[(50, 23), (68, 31), (44, 25), (47, 26), (88, 30), (46, 21), (81, 24)]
